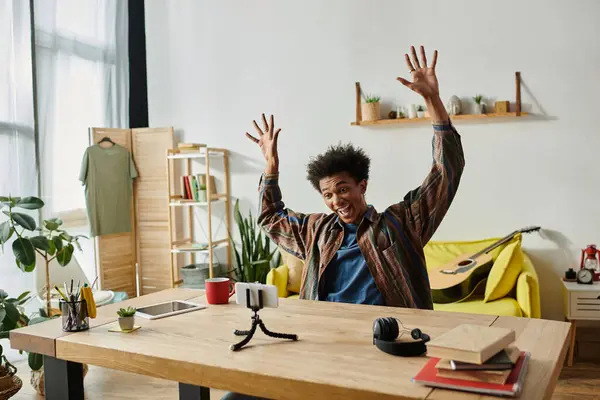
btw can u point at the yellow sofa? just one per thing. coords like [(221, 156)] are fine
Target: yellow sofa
[(512, 288)]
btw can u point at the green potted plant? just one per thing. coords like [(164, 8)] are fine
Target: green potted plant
[(256, 258), (12, 316), (370, 109), (420, 112), (51, 242), (479, 105), (126, 318), (7, 371)]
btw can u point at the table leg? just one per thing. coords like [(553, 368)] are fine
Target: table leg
[(63, 380), (193, 392), (572, 345)]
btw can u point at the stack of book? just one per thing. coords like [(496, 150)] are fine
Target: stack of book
[(475, 358)]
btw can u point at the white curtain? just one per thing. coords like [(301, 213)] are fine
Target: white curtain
[(82, 72), (18, 171), (82, 81)]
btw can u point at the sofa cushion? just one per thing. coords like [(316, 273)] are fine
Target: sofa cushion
[(505, 306), (279, 278), (528, 295), (295, 267), (505, 271)]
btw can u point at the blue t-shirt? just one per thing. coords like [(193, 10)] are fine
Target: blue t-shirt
[(347, 279)]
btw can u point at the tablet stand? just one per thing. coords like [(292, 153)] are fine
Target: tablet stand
[(256, 321)]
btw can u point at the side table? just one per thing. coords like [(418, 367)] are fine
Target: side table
[(582, 302)]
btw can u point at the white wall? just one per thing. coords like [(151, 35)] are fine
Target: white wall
[(213, 67)]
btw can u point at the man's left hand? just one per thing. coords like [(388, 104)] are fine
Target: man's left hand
[(424, 81)]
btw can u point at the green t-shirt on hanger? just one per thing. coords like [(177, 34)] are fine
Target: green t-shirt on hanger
[(107, 174)]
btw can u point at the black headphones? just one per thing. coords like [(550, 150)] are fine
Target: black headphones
[(385, 332)]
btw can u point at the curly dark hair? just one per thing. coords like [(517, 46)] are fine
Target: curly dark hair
[(339, 158)]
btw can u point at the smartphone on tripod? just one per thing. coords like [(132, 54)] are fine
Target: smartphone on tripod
[(268, 292)]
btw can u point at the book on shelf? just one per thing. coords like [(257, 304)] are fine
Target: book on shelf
[(191, 184), (494, 382), (474, 344)]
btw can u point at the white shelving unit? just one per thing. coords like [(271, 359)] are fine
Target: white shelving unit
[(187, 245)]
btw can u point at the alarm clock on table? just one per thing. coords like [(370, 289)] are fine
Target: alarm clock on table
[(585, 276)]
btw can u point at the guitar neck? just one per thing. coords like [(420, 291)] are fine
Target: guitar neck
[(494, 245)]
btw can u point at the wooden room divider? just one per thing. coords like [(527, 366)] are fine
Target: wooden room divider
[(144, 251)]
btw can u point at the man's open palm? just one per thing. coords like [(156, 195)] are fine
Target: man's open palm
[(424, 81), (267, 139)]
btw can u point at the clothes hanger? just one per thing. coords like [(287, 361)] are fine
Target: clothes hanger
[(106, 139)]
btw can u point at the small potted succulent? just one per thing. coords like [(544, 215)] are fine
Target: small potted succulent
[(371, 108), (420, 112), (126, 318), (479, 105)]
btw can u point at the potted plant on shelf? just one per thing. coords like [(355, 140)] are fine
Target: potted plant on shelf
[(420, 112), (370, 109), (126, 318), (479, 105), (256, 258)]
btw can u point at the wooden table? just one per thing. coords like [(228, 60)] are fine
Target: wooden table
[(334, 357)]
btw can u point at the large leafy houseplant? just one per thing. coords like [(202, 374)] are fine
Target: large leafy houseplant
[(12, 314), (51, 242), (254, 262)]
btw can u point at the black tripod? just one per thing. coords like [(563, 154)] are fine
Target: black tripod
[(256, 321)]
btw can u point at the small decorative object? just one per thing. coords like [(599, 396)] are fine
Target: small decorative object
[(590, 259), (570, 274), (420, 112), (399, 112), (371, 108), (126, 318), (479, 105), (454, 106), (202, 193), (392, 114), (501, 107), (412, 111)]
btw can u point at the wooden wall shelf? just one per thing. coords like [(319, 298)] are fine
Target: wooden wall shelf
[(452, 117), (516, 114)]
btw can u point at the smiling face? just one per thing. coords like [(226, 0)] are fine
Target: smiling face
[(344, 196)]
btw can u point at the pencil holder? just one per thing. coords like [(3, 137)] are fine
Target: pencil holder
[(74, 316)]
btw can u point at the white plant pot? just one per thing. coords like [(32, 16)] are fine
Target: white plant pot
[(478, 109), (126, 323), (412, 111), (420, 114)]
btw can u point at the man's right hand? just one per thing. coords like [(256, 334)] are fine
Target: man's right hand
[(268, 143)]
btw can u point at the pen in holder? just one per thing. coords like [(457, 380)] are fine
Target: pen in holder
[(74, 316)]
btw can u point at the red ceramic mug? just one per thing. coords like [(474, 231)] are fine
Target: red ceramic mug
[(218, 290)]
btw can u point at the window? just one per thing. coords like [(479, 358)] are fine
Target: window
[(18, 172), (82, 72)]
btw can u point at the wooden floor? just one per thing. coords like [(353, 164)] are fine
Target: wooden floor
[(579, 382)]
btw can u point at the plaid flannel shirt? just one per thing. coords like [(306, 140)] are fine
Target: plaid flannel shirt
[(391, 242)]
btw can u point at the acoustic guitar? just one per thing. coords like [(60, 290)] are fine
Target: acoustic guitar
[(459, 278)]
